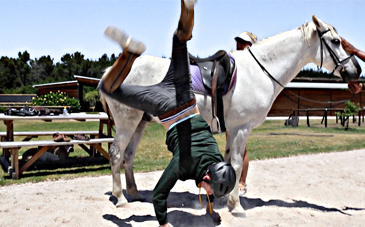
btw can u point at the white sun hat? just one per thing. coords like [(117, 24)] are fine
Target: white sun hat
[(243, 36)]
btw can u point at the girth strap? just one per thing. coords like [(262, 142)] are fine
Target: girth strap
[(215, 98), (216, 73)]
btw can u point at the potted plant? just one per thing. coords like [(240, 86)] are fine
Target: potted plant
[(91, 97)]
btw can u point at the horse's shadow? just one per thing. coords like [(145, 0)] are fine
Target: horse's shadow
[(191, 201), (123, 222), (176, 218)]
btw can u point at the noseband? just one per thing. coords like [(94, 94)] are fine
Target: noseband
[(334, 57)]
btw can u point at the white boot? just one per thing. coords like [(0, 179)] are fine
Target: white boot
[(189, 4), (126, 42)]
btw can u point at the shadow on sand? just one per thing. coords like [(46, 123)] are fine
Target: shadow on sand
[(191, 201)]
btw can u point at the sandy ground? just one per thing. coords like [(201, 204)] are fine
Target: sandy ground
[(316, 190)]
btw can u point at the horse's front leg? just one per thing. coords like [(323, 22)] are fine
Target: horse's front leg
[(235, 147), (129, 156)]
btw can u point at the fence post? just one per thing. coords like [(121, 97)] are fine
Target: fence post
[(325, 120)]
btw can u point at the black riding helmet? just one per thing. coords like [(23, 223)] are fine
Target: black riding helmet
[(223, 178)]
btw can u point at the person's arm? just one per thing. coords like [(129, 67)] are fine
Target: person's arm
[(352, 50), (355, 87), (162, 190)]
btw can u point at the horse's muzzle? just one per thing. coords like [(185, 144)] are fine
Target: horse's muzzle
[(351, 76)]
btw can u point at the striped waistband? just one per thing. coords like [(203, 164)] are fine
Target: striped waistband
[(181, 120), (178, 111)]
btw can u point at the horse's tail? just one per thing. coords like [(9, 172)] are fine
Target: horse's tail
[(105, 105), (103, 99)]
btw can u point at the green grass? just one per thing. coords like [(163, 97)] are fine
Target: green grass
[(270, 140)]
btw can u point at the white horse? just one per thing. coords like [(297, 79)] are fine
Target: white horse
[(245, 106)]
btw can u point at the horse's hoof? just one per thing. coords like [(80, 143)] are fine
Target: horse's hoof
[(121, 201), (139, 198), (237, 211), (122, 204)]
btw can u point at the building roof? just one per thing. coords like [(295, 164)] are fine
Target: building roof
[(73, 82), (79, 80), (317, 85), (87, 80)]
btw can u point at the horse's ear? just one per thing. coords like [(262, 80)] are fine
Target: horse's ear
[(319, 24)]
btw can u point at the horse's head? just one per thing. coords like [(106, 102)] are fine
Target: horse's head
[(331, 55)]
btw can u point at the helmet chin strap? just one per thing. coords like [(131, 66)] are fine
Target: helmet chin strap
[(210, 205), (201, 202)]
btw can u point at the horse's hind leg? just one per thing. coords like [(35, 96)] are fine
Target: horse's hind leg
[(129, 155), (126, 124), (115, 163)]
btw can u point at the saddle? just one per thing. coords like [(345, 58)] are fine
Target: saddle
[(216, 72)]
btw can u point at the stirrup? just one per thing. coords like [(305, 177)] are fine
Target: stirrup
[(218, 125)]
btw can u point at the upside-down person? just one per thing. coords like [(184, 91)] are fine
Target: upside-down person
[(195, 152)]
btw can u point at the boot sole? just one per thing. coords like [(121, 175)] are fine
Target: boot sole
[(189, 4), (127, 42)]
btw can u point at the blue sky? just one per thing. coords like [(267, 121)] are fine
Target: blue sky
[(57, 27)]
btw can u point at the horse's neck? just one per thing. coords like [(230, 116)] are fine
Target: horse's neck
[(283, 56)]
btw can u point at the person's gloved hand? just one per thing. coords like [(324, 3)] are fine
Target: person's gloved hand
[(214, 215)]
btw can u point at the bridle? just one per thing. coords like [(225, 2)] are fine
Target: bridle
[(334, 57)]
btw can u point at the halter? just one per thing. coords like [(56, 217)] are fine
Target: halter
[(334, 57)]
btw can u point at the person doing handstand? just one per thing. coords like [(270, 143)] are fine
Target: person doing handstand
[(195, 152)]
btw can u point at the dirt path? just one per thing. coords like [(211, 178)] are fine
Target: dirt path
[(316, 190)]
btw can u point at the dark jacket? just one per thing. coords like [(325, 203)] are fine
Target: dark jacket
[(194, 150)]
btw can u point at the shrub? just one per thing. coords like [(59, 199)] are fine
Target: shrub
[(57, 99), (351, 109), (91, 97)]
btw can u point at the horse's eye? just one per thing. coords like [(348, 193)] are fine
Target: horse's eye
[(336, 41)]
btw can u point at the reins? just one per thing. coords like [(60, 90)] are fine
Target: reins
[(310, 100), (263, 69)]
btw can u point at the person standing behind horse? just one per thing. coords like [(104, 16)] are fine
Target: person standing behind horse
[(195, 152), (243, 41), (354, 87)]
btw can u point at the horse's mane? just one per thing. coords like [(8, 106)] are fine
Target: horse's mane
[(307, 35), (252, 36), (305, 28), (265, 40)]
